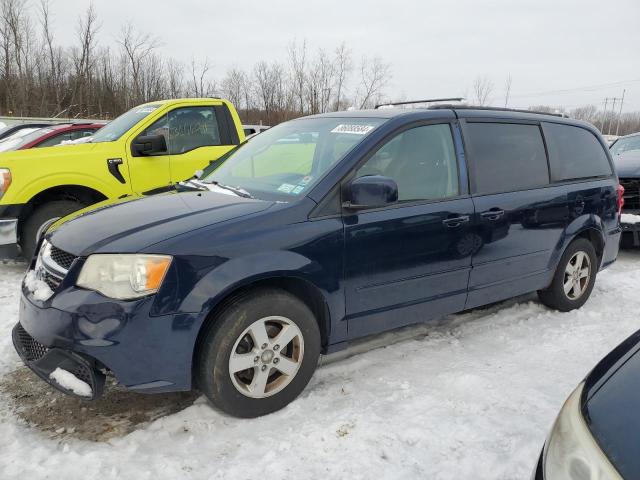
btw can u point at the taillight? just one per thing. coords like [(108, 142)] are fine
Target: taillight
[(620, 191), (5, 180)]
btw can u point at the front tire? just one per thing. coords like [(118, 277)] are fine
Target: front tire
[(574, 278), (40, 219), (259, 353)]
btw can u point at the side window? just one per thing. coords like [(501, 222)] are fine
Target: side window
[(506, 156), (574, 153), (55, 140), (421, 160), (192, 127), (186, 129)]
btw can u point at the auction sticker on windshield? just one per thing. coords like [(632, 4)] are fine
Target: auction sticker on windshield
[(353, 129)]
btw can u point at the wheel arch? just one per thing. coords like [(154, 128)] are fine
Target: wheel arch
[(80, 193), (297, 286)]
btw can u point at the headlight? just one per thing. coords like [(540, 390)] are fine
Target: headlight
[(5, 180), (124, 276), (571, 452)]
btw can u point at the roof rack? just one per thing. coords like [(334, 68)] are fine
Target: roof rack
[(499, 109), (412, 102)]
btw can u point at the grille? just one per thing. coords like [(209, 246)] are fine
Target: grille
[(631, 193), (51, 280), (61, 257), (31, 348)]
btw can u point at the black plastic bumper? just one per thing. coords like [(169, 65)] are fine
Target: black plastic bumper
[(43, 361)]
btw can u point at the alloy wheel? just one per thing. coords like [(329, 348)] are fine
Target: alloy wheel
[(577, 275), (266, 357)]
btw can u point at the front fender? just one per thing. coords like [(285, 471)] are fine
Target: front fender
[(202, 294)]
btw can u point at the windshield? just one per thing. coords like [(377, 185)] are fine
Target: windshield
[(116, 128), (287, 160), (20, 138), (625, 145)]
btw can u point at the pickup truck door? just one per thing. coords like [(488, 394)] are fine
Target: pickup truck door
[(147, 172), (198, 134)]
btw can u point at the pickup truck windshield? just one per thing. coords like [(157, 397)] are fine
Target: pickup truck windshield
[(285, 161), (113, 130)]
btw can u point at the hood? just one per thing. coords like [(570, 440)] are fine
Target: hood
[(53, 152), (132, 224), (628, 164)]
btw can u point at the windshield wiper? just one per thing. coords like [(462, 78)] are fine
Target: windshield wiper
[(191, 184), (241, 192)]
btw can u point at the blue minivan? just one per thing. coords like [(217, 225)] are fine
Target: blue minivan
[(317, 232)]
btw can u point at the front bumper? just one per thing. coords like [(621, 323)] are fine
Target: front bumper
[(145, 353), (630, 232), (44, 361), (8, 237)]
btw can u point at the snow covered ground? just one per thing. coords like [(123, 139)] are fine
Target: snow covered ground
[(471, 397)]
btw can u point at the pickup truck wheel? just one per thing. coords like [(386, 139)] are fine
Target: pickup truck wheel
[(574, 278), (259, 354), (41, 218)]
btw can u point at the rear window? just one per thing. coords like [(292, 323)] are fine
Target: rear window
[(506, 157), (574, 153)]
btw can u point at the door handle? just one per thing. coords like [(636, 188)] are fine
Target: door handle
[(492, 215), (456, 221), (113, 164)]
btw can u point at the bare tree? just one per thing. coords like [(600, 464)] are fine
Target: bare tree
[(507, 90), (482, 89), (374, 76), (298, 65), (200, 84), (342, 69), (137, 48)]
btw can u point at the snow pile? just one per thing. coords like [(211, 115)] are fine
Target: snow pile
[(77, 141), (629, 218), (470, 397), (69, 381), (38, 288)]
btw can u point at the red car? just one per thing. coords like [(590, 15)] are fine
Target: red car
[(48, 136)]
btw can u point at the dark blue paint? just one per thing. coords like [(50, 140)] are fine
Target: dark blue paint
[(610, 406), (375, 269)]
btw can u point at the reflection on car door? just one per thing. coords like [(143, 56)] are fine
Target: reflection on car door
[(412, 258)]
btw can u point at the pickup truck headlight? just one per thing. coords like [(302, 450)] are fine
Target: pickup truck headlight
[(124, 276), (571, 452), (5, 180)]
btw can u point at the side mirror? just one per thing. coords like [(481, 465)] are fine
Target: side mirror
[(371, 191), (148, 145)]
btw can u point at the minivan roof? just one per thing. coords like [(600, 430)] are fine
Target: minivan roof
[(458, 111)]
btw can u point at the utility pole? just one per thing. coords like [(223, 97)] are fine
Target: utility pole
[(620, 113), (613, 112), (604, 116)]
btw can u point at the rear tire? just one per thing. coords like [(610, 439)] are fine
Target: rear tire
[(46, 213), (574, 278), (252, 342)]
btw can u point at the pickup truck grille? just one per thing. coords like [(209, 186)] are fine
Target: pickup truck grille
[(631, 193)]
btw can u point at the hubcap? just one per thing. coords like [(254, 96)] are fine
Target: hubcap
[(266, 357), (577, 275)]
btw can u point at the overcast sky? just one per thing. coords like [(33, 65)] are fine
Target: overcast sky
[(558, 52)]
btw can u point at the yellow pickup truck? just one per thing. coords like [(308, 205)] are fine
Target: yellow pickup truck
[(149, 147)]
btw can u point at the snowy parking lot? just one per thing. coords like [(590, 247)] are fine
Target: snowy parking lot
[(470, 397)]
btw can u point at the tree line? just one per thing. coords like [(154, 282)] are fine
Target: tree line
[(89, 79), (39, 77)]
